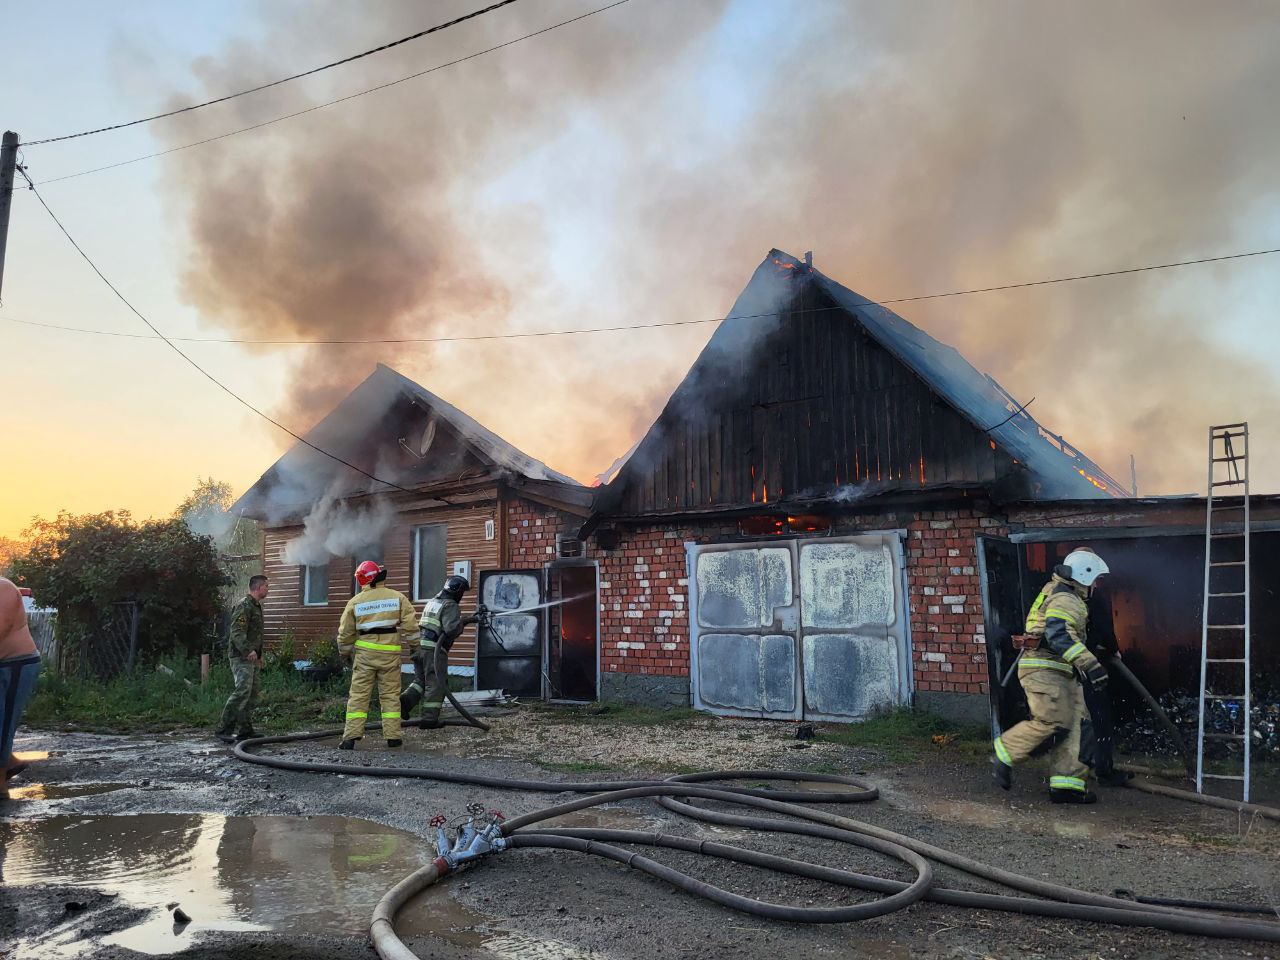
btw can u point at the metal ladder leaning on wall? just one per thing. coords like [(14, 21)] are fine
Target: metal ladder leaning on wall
[(1226, 526)]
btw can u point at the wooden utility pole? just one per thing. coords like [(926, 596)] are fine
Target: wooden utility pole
[(8, 162)]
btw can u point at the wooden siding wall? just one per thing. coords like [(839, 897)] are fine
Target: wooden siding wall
[(284, 609), (817, 406)]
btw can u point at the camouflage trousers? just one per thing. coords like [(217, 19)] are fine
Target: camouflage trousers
[(237, 715)]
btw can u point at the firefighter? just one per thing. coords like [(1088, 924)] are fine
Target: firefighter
[(369, 635), (441, 624), (1048, 674)]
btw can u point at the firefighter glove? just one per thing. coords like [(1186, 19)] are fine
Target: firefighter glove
[(1092, 671)]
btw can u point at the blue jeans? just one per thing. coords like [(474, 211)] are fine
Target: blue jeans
[(17, 681)]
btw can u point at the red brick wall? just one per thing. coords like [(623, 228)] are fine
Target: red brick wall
[(944, 596), (644, 590)]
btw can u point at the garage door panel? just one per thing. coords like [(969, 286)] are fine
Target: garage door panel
[(745, 672), (849, 674), (740, 589), (845, 585)]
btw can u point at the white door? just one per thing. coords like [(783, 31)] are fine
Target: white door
[(800, 628)]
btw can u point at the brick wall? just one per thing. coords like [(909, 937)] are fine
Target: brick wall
[(644, 590), (944, 596), (531, 533)]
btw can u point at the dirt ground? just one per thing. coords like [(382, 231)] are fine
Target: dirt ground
[(304, 879)]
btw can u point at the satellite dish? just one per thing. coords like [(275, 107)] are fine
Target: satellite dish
[(428, 436)]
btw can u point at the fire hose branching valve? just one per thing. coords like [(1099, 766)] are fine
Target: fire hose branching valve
[(478, 836)]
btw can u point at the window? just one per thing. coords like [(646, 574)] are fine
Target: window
[(315, 585), (372, 552), (428, 559)]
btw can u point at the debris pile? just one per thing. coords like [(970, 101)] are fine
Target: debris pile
[(1146, 736)]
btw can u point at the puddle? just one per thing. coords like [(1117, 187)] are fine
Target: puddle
[(967, 812), (29, 756), (818, 786), (436, 915), (1084, 831), (318, 875), (61, 791), (973, 814), (312, 875)]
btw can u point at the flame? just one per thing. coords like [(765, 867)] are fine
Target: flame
[(922, 471), (782, 265), (766, 492), (1096, 482)]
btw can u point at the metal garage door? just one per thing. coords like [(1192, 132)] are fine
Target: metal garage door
[(799, 629)]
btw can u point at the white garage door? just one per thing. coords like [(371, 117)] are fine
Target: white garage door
[(799, 629)]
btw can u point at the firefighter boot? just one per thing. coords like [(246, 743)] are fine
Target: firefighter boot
[(1002, 773), (411, 697), (347, 745)]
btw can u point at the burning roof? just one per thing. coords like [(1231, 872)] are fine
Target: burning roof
[(396, 430), (1050, 467)]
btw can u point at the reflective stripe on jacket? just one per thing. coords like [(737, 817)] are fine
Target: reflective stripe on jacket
[(444, 617), (1059, 617), (373, 617)]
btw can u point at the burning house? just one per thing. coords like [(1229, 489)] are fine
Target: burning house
[(799, 533), (833, 513), (414, 483)]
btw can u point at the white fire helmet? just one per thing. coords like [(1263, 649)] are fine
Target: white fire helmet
[(1086, 567)]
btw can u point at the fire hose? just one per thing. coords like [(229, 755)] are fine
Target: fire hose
[(480, 838)]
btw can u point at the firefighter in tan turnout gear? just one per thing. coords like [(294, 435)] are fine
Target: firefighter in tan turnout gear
[(441, 624), (1048, 671), (370, 630)]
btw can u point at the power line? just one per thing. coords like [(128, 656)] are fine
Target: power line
[(387, 340), (275, 83), (518, 335), (178, 350), (330, 103)]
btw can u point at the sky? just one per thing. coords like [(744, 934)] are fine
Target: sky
[(631, 168)]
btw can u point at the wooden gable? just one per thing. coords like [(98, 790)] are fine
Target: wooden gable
[(812, 407)]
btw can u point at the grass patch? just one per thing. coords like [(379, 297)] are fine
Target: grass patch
[(148, 701), (905, 736)]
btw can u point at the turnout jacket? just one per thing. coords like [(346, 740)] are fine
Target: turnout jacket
[(1060, 618), (441, 621), (374, 619)]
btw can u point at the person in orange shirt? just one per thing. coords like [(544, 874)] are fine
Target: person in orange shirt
[(19, 667)]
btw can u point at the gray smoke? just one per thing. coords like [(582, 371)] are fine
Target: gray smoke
[(635, 167), (336, 528)]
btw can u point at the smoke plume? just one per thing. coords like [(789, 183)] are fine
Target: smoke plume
[(633, 168), (334, 528)]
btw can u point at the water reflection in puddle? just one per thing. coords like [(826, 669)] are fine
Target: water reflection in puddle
[(60, 791), (318, 875), (312, 875)]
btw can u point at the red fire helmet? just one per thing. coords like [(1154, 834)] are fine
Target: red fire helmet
[(367, 573)]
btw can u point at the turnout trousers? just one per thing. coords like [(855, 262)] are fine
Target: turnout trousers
[(1057, 710), (380, 669)]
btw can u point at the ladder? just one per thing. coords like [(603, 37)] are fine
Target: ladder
[(1226, 549)]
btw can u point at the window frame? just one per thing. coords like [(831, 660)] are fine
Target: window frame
[(306, 584)]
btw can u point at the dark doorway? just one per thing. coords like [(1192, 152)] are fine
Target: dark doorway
[(572, 660)]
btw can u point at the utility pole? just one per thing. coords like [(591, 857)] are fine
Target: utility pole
[(8, 161)]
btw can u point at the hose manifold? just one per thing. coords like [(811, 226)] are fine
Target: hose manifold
[(474, 840)]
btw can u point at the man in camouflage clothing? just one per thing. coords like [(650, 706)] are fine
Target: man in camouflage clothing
[(244, 647)]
